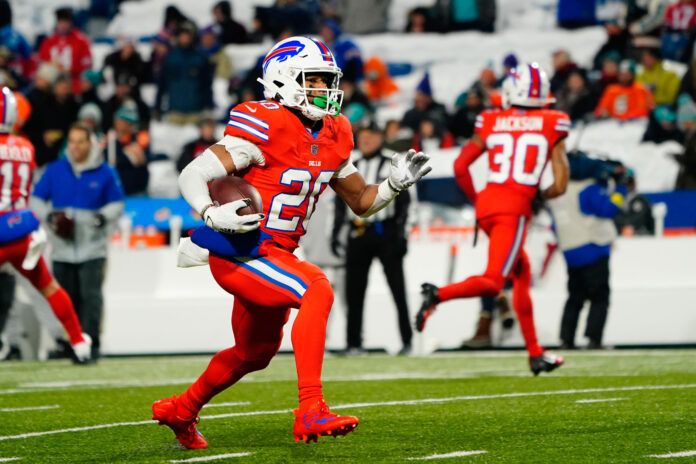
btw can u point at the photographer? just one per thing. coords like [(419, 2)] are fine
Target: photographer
[(80, 198), (585, 229)]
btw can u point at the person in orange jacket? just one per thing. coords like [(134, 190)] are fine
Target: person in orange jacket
[(627, 99), (378, 83)]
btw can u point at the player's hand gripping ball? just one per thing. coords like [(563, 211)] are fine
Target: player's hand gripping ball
[(237, 206)]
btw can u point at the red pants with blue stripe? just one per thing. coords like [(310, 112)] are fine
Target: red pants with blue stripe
[(506, 259), (265, 289)]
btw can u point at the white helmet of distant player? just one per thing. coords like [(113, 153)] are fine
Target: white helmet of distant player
[(285, 69), (527, 85), (8, 110)]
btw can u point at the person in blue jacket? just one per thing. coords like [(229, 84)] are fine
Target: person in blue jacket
[(583, 220), (80, 198)]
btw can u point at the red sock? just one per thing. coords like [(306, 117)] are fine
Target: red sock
[(473, 286), (308, 339), (224, 370), (63, 308), (522, 302)]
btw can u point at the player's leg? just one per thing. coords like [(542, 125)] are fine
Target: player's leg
[(258, 332), (573, 306), (313, 418), (522, 302), (506, 236), (598, 292), (59, 301), (539, 360), (358, 262)]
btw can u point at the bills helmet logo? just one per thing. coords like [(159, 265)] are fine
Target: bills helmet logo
[(286, 50)]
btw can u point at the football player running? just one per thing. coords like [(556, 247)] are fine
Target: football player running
[(22, 241), (290, 147), (519, 140)]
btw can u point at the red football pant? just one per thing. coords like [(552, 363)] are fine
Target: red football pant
[(265, 289), (40, 277), (506, 258)]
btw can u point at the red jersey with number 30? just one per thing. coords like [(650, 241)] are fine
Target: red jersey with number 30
[(16, 168), (519, 142), (298, 165)]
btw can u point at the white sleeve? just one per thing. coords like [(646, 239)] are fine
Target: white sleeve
[(345, 170), (193, 180), (243, 152), (385, 195)]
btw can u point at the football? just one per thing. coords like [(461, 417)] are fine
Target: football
[(230, 188)]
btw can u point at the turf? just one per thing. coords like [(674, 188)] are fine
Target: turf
[(494, 405)]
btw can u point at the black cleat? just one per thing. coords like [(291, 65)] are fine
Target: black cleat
[(544, 363), (430, 301)]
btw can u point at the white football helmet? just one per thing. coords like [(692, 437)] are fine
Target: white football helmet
[(284, 71), (527, 85), (8, 110)]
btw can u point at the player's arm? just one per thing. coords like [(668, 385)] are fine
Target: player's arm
[(365, 200), (229, 155), (561, 172), (470, 153)]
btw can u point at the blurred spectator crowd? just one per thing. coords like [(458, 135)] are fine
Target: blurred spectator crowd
[(631, 76)]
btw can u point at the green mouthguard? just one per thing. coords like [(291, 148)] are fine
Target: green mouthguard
[(321, 102)]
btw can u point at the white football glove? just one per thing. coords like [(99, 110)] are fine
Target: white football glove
[(407, 169), (225, 219)]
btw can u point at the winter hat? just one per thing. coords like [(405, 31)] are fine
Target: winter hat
[(90, 111), (686, 110), (664, 113), (628, 66), (93, 76), (510, 61), (127, 113), (424, 85), (334, 26), (64, 14), (48, 72)]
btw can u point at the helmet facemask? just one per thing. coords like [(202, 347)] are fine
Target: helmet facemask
[(319, 102)]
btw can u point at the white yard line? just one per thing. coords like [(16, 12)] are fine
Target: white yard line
[(214, 457), (224, 405), (9, 459), (106, 383), (30, 408), (455, 454), (369, 405), (599, 400), (74, 429), (680, 454)]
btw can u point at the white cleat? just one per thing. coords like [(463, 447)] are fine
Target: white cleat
[(83, 350)]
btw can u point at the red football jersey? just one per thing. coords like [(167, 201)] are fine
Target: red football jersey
[(298, 166), (519, 142), (16, 169)]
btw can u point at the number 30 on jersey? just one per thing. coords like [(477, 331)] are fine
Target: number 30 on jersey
[(511, 157)]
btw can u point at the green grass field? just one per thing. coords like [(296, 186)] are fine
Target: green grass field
[(612, 406)]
